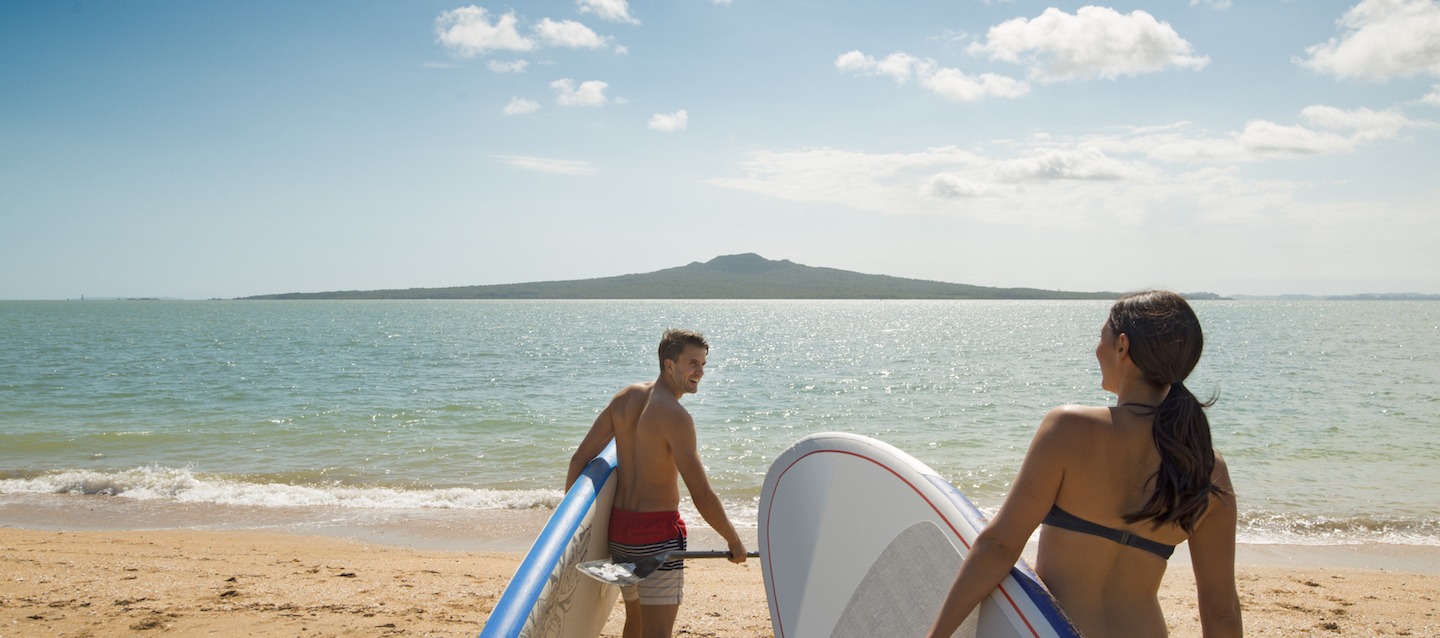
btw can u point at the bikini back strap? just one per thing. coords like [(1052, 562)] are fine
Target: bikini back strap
[(1065, 520)]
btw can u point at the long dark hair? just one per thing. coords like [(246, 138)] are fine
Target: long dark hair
[(1165, 343)]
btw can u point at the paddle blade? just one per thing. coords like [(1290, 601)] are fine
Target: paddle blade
[(610, 572)]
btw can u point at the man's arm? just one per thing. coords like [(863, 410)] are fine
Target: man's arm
[(601, 431), (683, 448)]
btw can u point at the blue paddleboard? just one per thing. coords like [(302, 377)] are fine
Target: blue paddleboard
[(548, 597)]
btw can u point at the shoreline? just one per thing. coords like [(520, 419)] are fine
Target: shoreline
[(274, 583), (513, 531)]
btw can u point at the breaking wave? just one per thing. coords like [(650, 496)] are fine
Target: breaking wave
[(185, 486)]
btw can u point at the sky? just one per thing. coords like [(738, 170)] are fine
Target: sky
[(222, 149)]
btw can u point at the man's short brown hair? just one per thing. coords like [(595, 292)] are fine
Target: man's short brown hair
[(674, 342)]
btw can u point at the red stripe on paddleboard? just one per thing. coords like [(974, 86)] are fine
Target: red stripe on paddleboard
[(922, 496)]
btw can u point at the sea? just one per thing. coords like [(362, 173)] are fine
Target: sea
[(238, 413)]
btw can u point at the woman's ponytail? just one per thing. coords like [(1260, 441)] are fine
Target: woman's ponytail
[(1165, 343), (1183, 484)]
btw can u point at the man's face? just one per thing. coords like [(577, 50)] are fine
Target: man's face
[(687, 370)]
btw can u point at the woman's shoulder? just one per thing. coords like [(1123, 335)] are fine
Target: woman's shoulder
[(1068, 424), (1077, 416)]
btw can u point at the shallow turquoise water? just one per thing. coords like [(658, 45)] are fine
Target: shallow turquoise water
[(1327, 412)]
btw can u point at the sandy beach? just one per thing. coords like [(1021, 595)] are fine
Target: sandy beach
[(255, 583)]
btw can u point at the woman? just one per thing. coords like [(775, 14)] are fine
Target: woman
[(1117, 488)]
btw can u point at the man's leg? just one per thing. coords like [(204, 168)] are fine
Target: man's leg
[(639, 619), (632, 619), (658, 620)]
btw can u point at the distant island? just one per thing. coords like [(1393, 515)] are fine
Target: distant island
[(747, 276)]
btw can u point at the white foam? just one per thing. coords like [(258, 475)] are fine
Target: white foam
[(185, 486)]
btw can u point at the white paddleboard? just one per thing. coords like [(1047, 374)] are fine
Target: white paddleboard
[(860, 539), (548, 597)]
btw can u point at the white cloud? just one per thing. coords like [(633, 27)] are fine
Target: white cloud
[(1328, 131), (513, 66), (897, 66), (1069, 188), (1036, 166), (1126, 176), (1259, 140), (1384, 39), (521, 106), (955, 85), (569, 33), (1366, 125), (546, 165), (1095, 42), (947, 185), (1263, 139), (669, 123), (609, 10), (1066, 163), (1218, 4), (892, 182), (468, 32), (591, 93), (1433, 97), (949, 83)]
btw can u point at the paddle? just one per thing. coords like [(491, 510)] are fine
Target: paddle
[(629, 573)]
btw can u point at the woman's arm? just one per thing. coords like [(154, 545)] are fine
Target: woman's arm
[(999, 545), (1212, 554)]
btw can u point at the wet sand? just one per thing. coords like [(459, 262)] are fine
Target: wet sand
[(265, 583)]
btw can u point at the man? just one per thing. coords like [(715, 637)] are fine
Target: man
[(655, 440)]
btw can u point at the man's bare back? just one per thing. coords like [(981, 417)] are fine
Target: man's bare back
[(646, 470)]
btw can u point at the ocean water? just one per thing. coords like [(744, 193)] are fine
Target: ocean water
[(1328, 412)]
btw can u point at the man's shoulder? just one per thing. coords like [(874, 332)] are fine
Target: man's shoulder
[(638, 390)]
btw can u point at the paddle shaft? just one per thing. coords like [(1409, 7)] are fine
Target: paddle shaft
[(716, 553)]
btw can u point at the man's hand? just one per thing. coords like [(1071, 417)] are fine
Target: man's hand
[(738, 553)]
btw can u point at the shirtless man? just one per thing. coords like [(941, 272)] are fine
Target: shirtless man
[(655, 440)]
